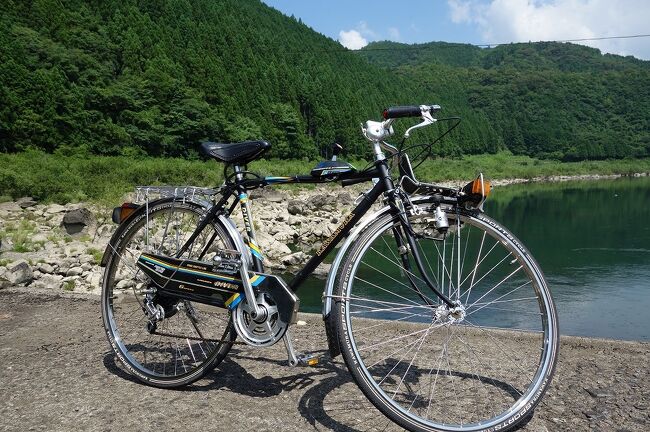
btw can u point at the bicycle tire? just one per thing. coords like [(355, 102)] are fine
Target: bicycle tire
[(428, 371), (183, 348)]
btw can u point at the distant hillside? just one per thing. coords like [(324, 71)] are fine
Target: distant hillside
[(154, 77), (554, 100)]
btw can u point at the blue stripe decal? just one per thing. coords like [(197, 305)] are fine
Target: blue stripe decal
[(259, 280), (257, 254)]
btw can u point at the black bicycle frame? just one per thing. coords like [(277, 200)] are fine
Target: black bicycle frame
[(239, 189)]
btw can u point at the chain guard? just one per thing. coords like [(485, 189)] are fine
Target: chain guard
[(279, 306)]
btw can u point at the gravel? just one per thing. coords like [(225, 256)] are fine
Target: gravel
[(57, 373)]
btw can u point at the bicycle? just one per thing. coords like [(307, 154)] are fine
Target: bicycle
[(442, 316)]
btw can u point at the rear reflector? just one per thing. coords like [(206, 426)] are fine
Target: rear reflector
[(124, 211)]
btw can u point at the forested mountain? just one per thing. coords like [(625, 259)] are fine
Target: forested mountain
[(156, 76), (550, 100)]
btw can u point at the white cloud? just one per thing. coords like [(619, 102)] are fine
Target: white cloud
[(366, 31), (352, 39), (535, 20), (393, 32), (357, 37), (460, 11)]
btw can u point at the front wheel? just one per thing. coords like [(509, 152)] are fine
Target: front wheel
[(482, 364)]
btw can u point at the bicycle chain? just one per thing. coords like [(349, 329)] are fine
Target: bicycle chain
[(236, 342)]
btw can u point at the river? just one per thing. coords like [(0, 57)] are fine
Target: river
[(592, 240)]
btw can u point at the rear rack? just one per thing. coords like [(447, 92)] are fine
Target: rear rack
[(199, 195)]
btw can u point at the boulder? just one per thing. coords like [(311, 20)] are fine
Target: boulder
[(78, 220), (294, 258), (10, 207), (19, 272), (45, 268), (54, 208), (6, 245), (25, 202), (295, 207), (74, 271)]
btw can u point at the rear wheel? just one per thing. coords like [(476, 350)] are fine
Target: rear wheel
[(188, 339), (482, 364)]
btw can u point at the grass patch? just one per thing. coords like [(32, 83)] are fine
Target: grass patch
[(68, 285), (105, 180), (21, 234), (96, 254)]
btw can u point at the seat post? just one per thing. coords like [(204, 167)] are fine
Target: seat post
[(256, 252)]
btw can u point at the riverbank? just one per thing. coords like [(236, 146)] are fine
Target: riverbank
[(59, 374), (106, 179), (60, 246)]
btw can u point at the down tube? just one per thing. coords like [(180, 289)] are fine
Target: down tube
[(348, 223)]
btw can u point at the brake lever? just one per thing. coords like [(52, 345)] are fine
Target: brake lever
[(427, 119)]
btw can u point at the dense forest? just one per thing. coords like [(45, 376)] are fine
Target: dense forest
[(549, 100), (154, 77)]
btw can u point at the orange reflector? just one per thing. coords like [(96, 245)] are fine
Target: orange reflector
[(481, 187), (127, 209), (312, 362), (123, 212)]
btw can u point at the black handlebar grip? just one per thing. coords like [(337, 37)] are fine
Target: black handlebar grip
[(408, 111), (402, 111)]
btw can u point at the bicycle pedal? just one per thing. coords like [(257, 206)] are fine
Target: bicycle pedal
[(309, 360)]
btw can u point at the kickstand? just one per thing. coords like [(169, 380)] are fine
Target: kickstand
[(296, 359)]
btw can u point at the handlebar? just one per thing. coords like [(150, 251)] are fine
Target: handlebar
[(409, 111)]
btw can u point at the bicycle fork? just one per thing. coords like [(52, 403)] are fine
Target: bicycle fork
[(411, 245)]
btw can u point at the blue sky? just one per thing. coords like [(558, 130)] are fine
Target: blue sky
[(354, 23)]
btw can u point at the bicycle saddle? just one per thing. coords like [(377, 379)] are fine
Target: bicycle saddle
[(235, 153)]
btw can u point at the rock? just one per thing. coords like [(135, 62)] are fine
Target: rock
[(293, 221), (54, 208), (4, 283), (19, 272), (294, 258), (45, 268), (94, 280), (124, 284), (48, 281), (599, 393), (74, 271), (72, 250), (320, 201), (294, 207), (10, 207), (344, 198), (6, 244), (78, 220), (26, 202), (322, 270), (271, 195), (86, 266), (39, 238)]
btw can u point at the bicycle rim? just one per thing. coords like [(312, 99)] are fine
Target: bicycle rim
[(430, 367), (189, 340)]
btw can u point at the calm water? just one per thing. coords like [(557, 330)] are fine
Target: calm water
[(592, 240)]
